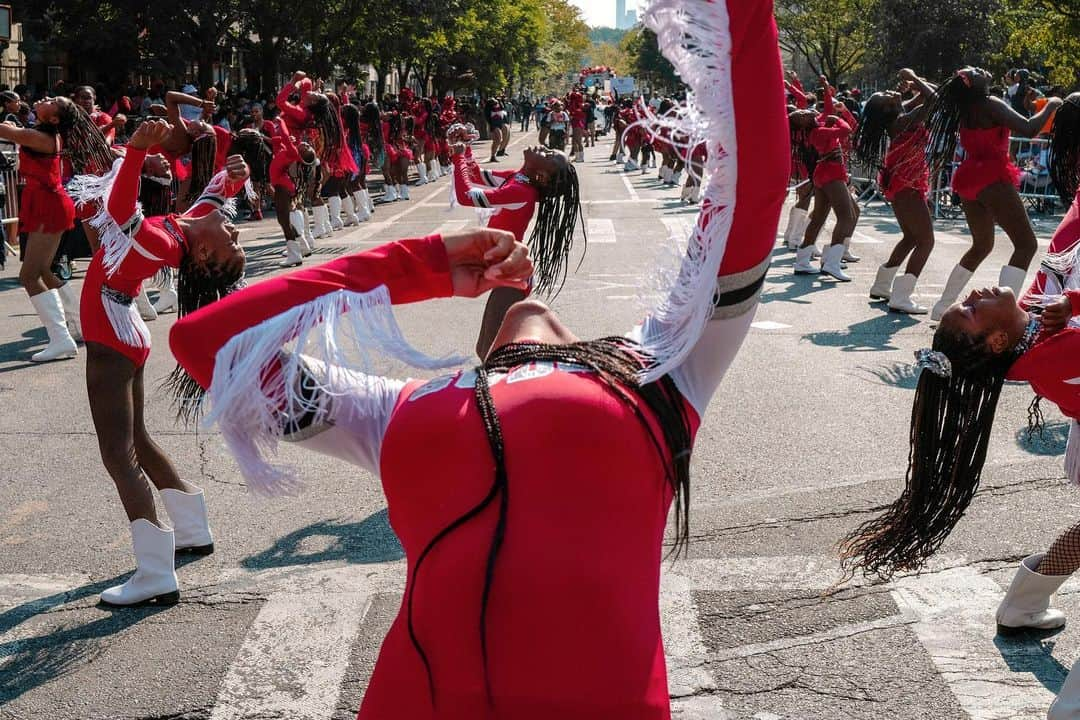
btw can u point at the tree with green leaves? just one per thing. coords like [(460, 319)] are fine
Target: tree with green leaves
[(1043, 35), (832, 35), (646, 62)]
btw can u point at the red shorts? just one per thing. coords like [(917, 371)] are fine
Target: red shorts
[(44, 209)]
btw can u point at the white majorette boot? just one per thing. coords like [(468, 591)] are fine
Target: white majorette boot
[(369, 201), (51, 311), (1012, 277), (167, 299), (321, 217), (307, 235), (70, 300), (792, 236), (903, 299), (191, 524), (360, 204), (630, 165), (1067, 704), (804, 264), (848, 255), (621, 157), (580, 156), (883, 282), (299, 224), (334, 203), (1026, 604), (830, 262), (390, 193), (403, 191), (958, 278), (447, 169), (421, 170), (348, 206), (687, 191), (433, 169), (293, 254), (146, 308), (154, 580), (676, 178)]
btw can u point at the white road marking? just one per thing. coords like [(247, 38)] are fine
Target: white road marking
[(450, 226), (684, 648), (601, 231), (679, 227), (769, 325), (629, 188), (864, 239)]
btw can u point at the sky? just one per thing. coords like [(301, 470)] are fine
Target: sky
[(601, 12)]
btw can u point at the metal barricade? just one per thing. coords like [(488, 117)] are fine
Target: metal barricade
[(9, 182), (1036, 188)]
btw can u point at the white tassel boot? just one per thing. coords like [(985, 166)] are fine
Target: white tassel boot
[(830, 262), (903, 298), (348, 207), (403, 191), (191, 524), (50, 309), (1067, 704), (321, 216), (146, 308), (1027, 602), (958, 278), (421, 169), (804, 261), (390, 193), (848, 255), (299, 224), (293, 254), (883, 282), (1012, 277), (154, 580), (362, 212), (70, 300), (334, 203)]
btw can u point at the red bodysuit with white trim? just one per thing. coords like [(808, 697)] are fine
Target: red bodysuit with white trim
[(573, 621), (506, 192), (44, 205), (109, 316), (299, 118), (827, 141)]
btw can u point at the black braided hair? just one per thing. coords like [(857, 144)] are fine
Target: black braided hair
[(373, 119), (82, 142), (257, 154), (951, 420), (203, 155), (949, 107), (801, 149), (350, 117), (431, 124), (328, 123), (1065, 149), (552, 237), (871, 141), (616, 361), (156, 198)]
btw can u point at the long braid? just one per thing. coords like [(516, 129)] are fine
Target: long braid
[(203, 155), (257, 154), (871, 142), (1065, 149), (616, 361), (83, 144), (373, 120), (948, 109), (328, 123), (552, 237)]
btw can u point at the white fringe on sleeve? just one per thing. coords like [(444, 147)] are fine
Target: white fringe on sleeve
[(116, 235), (342, 329), (695, 36)]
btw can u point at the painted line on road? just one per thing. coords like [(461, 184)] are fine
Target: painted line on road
[(450, 226), (769, 325), (629, 188), (601, 231)]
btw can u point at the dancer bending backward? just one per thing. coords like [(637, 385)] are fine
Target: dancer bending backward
[(986, 179), (292, 171), (566, 593), (981, 342), (46, 211), (892, 138), (203, 244), (825, 135), (510, 198)]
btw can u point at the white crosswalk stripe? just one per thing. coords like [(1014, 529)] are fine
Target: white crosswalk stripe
[(601, 231)]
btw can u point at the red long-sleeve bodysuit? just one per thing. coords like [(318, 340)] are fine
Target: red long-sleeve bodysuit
[(507, 192), (828, 141), (109, 316), (573, 620)]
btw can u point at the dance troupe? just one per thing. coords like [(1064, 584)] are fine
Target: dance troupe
[(495, 623)]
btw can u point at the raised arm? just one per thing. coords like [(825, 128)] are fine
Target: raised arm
[(1004, 115), (296, 115), (29, 138)]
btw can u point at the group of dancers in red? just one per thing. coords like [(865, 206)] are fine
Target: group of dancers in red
[(534, 551)]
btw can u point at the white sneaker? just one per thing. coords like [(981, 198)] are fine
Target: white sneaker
[(154, 580)]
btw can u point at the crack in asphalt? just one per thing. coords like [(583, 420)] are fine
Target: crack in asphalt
[(204, 465)]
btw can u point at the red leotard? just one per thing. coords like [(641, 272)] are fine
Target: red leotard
[(109, 316), (507, 192), (905, 164), (44, 206), (829, 140), (986, 162)]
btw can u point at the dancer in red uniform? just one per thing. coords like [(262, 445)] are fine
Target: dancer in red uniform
[(202, 243), (46, 211), (508, 199), (293, 169), (799, 215), (892, 138), (987, 179), (355, 140), (519, 603)]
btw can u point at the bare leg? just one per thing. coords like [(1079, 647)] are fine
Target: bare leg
[(817, 217), (498, 302), (36, 273), (981, 223), (1008, 210), (152, 458), (918, 228)]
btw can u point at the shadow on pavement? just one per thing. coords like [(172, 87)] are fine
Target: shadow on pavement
[(369, 541), (898, 374), (873, 335), (21, 350), (1029, 653), (1049, 441), (34, 661)]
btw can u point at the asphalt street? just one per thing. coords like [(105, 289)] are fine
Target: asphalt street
[(806, 437)]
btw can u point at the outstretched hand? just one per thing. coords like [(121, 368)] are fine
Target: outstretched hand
[(237, 168), (1056, 314), (149, 133), (482, 259)]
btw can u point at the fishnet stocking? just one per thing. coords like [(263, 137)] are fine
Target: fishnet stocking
[(1063, 557)]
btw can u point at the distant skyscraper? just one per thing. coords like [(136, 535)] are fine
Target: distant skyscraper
[(631, 18), (620, 14)]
